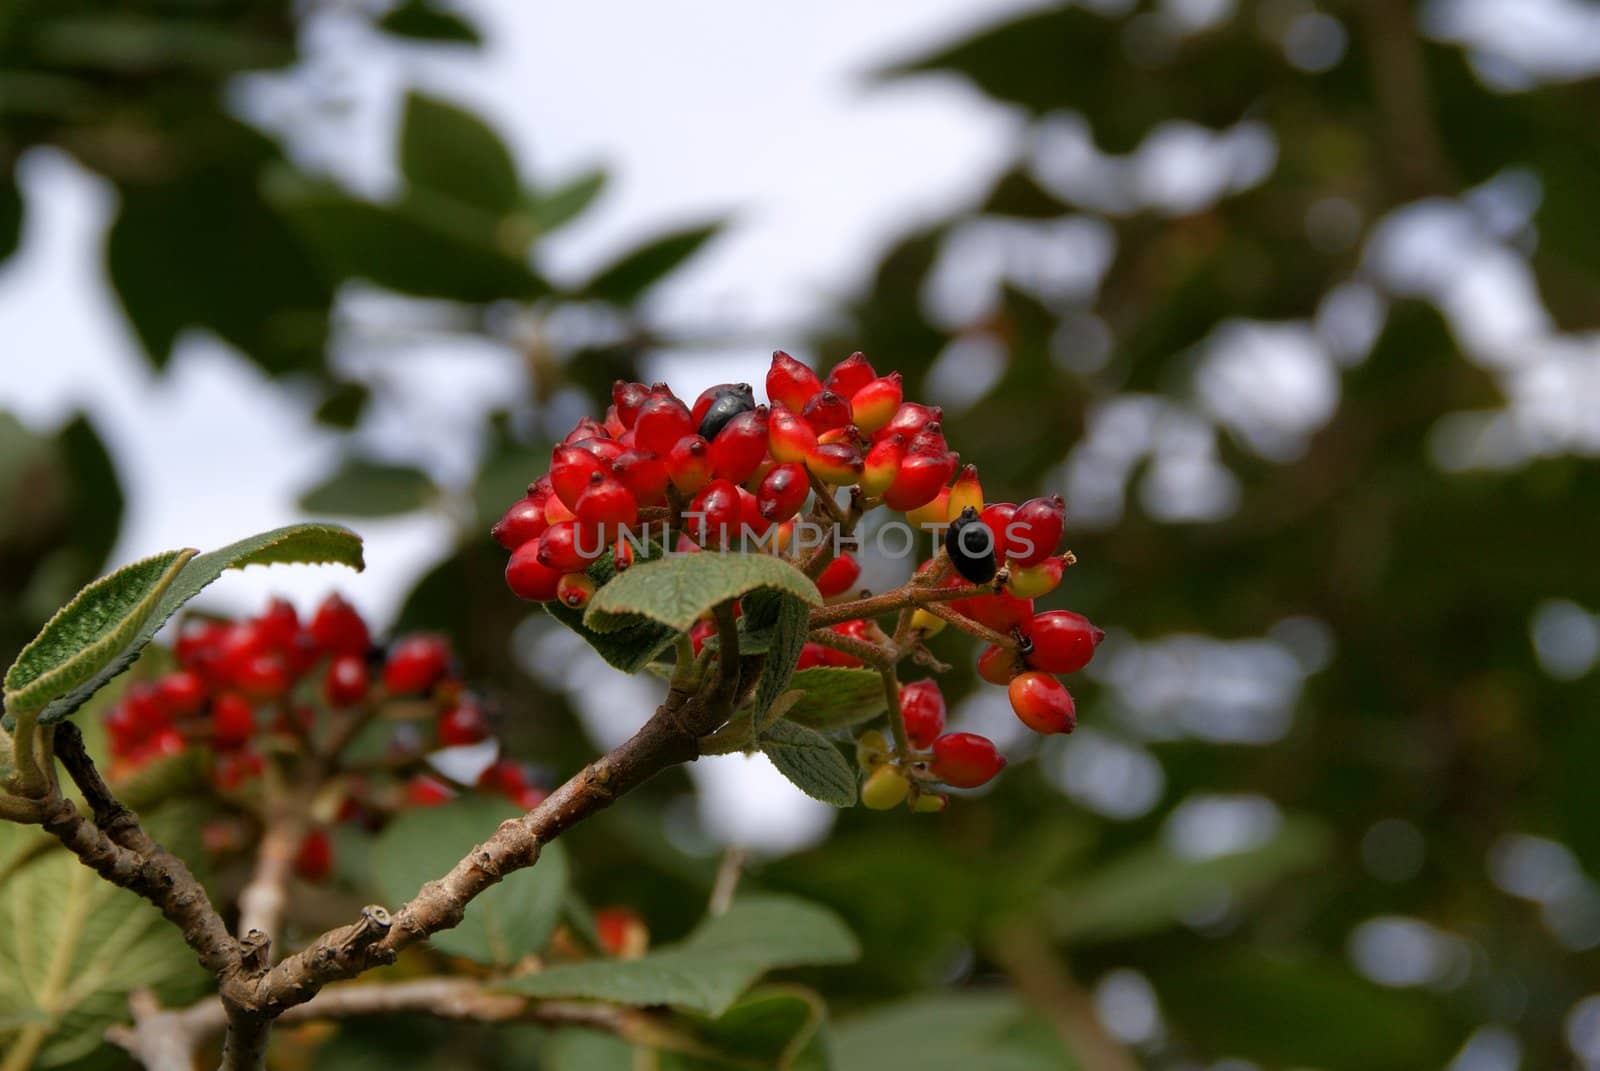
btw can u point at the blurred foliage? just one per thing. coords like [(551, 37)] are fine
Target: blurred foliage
[(1432, 707)]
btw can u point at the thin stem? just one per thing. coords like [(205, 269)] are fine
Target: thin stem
[(907, 595), (729, 872), (897, 721), (971, 627), (870, 653)]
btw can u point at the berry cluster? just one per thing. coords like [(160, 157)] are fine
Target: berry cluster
[(274, 688), (724, 469)]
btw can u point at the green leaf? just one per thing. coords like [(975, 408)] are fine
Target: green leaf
[(430, 246), (634, 641), (554, 208), (771, 1026), (370, 489), (1150, 889), (946, 1032), (179, 251), (90, 632), (510, 920), (424, 22), (635, 272), (708, 970), (812, 762), (790, 626), (307, 544), (676, 590), (452, 152), (836, 697), (73, 947)]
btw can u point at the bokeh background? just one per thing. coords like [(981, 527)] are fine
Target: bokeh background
[(1293, 302)]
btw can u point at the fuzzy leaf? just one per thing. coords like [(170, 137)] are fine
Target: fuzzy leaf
[(676, 590), (89, 633), (836, 697), (790, 625), (509, 921), (634, 641), (554, 208), (811, 761), (311, 544), (73, 946), (771, 1027), (709, 970)]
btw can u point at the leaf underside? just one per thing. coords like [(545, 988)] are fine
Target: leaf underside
[(678, 589)]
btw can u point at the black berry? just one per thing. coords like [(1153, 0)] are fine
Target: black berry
[(729, 403), (970, 545)]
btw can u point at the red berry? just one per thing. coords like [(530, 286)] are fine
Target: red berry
[(528, 577), (278, 625), (750, 514), (835, 464), (997, 518), (1043, 703), (569, 547), (575, 590), (1036, 530), (714, 514), (338, 628), (826, 411), (922, 709), (790, 383), (233, 769), (233, 721), (621, 931), (1033, 581), (416, 663), (998, 665), (882, 464), (839, 576), (930, 440), (622, 554), (146, 711), (587, 427), (166, 743), (741, 446), (643, 474), (789, 437), (346, 681), (504, 777), (604, 448), (875, 404), (920, 479), (122, 725), (689, 464), (628, 397), (663, 420), (425, 791), (850, 375), (523, 521), (909, 419), (606, 507), (783, 491), (264, 675), (965, 760), (314, 860), (463, 724), (182, 694), (1000, 612), (1062, 641), (571, 468), (966, 493)]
